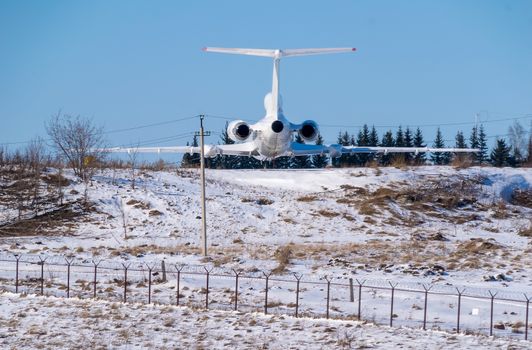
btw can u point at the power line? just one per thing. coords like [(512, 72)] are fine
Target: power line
[(428, 125), (149, 125), (115, 130)]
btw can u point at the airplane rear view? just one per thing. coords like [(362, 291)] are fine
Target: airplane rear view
[(273, 135)]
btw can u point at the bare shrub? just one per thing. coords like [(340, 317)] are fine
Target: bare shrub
[(282, 255), (399, 161), (462, 161)]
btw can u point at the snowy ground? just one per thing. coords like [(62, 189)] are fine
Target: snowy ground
[(45, 322), (379, 225)]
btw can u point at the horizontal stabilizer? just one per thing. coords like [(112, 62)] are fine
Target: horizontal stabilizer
[(278, 53)]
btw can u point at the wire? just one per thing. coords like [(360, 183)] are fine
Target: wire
[(150, 125), (428, 125), (116, 130)]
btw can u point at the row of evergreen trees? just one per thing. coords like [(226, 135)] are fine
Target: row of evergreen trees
[(501, 155)]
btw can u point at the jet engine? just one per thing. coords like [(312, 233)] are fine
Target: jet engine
[(238, 130), (308, 130)]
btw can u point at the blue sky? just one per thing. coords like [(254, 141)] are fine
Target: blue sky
[(130, 63)]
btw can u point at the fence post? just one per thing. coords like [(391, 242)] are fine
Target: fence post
[(360, 284), (150, 269), (266, 292), (351, 291), (17, 257), (298, 279), (460, 292), (391, 304), (491, 312), (95, 276), (177, 296), (328, 296), (69, 262), (125, 280), (526, 321), (236, 289), (163, 271), (207, 271), (42, 273), (425, 308)]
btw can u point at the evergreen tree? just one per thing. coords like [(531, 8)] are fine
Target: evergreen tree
[(300, 162), (473, 141), (500, 156), (409, 142), (185, 161), (387, 141), (225, 161), (399, 142), (320, 161), (342, 161), (482, 145), (352, 158), (195, 158), (282, 162), (399, 137), (373, 141), (373, 137), (437, 157), (418, 141), (460, 142), (363, 139)]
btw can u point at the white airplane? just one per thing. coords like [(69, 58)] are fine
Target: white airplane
[(273, 135)]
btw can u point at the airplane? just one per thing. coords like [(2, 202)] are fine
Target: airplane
[(273, 135)]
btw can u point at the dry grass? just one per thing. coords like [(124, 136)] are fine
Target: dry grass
[(525, 231), (328, 213), (308, 198)]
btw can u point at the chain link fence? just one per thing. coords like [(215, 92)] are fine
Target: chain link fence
[(441, 307)]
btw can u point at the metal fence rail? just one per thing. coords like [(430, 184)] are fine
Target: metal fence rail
[(468, 310)]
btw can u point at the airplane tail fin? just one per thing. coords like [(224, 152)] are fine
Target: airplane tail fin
[(274, 108)]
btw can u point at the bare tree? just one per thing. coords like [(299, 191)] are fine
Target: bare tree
[(3, 155), (123, 215), (132, 155), (518, 140), (35, 157), (80, 142)]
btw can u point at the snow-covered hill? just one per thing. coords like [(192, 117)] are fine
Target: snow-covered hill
[(435, 225), (377, 223)]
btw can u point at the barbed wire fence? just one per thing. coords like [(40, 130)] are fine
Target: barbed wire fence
[(467, 310)]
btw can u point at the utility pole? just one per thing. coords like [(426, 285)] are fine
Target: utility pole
[(202, 133)]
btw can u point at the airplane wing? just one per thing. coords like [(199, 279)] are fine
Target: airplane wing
[(335, 150), (238, 149)]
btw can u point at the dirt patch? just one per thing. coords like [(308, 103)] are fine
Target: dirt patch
[(45, 224), (259, 201), (522, 197)]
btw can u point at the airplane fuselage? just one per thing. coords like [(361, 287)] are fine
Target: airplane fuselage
[(272, 137)]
